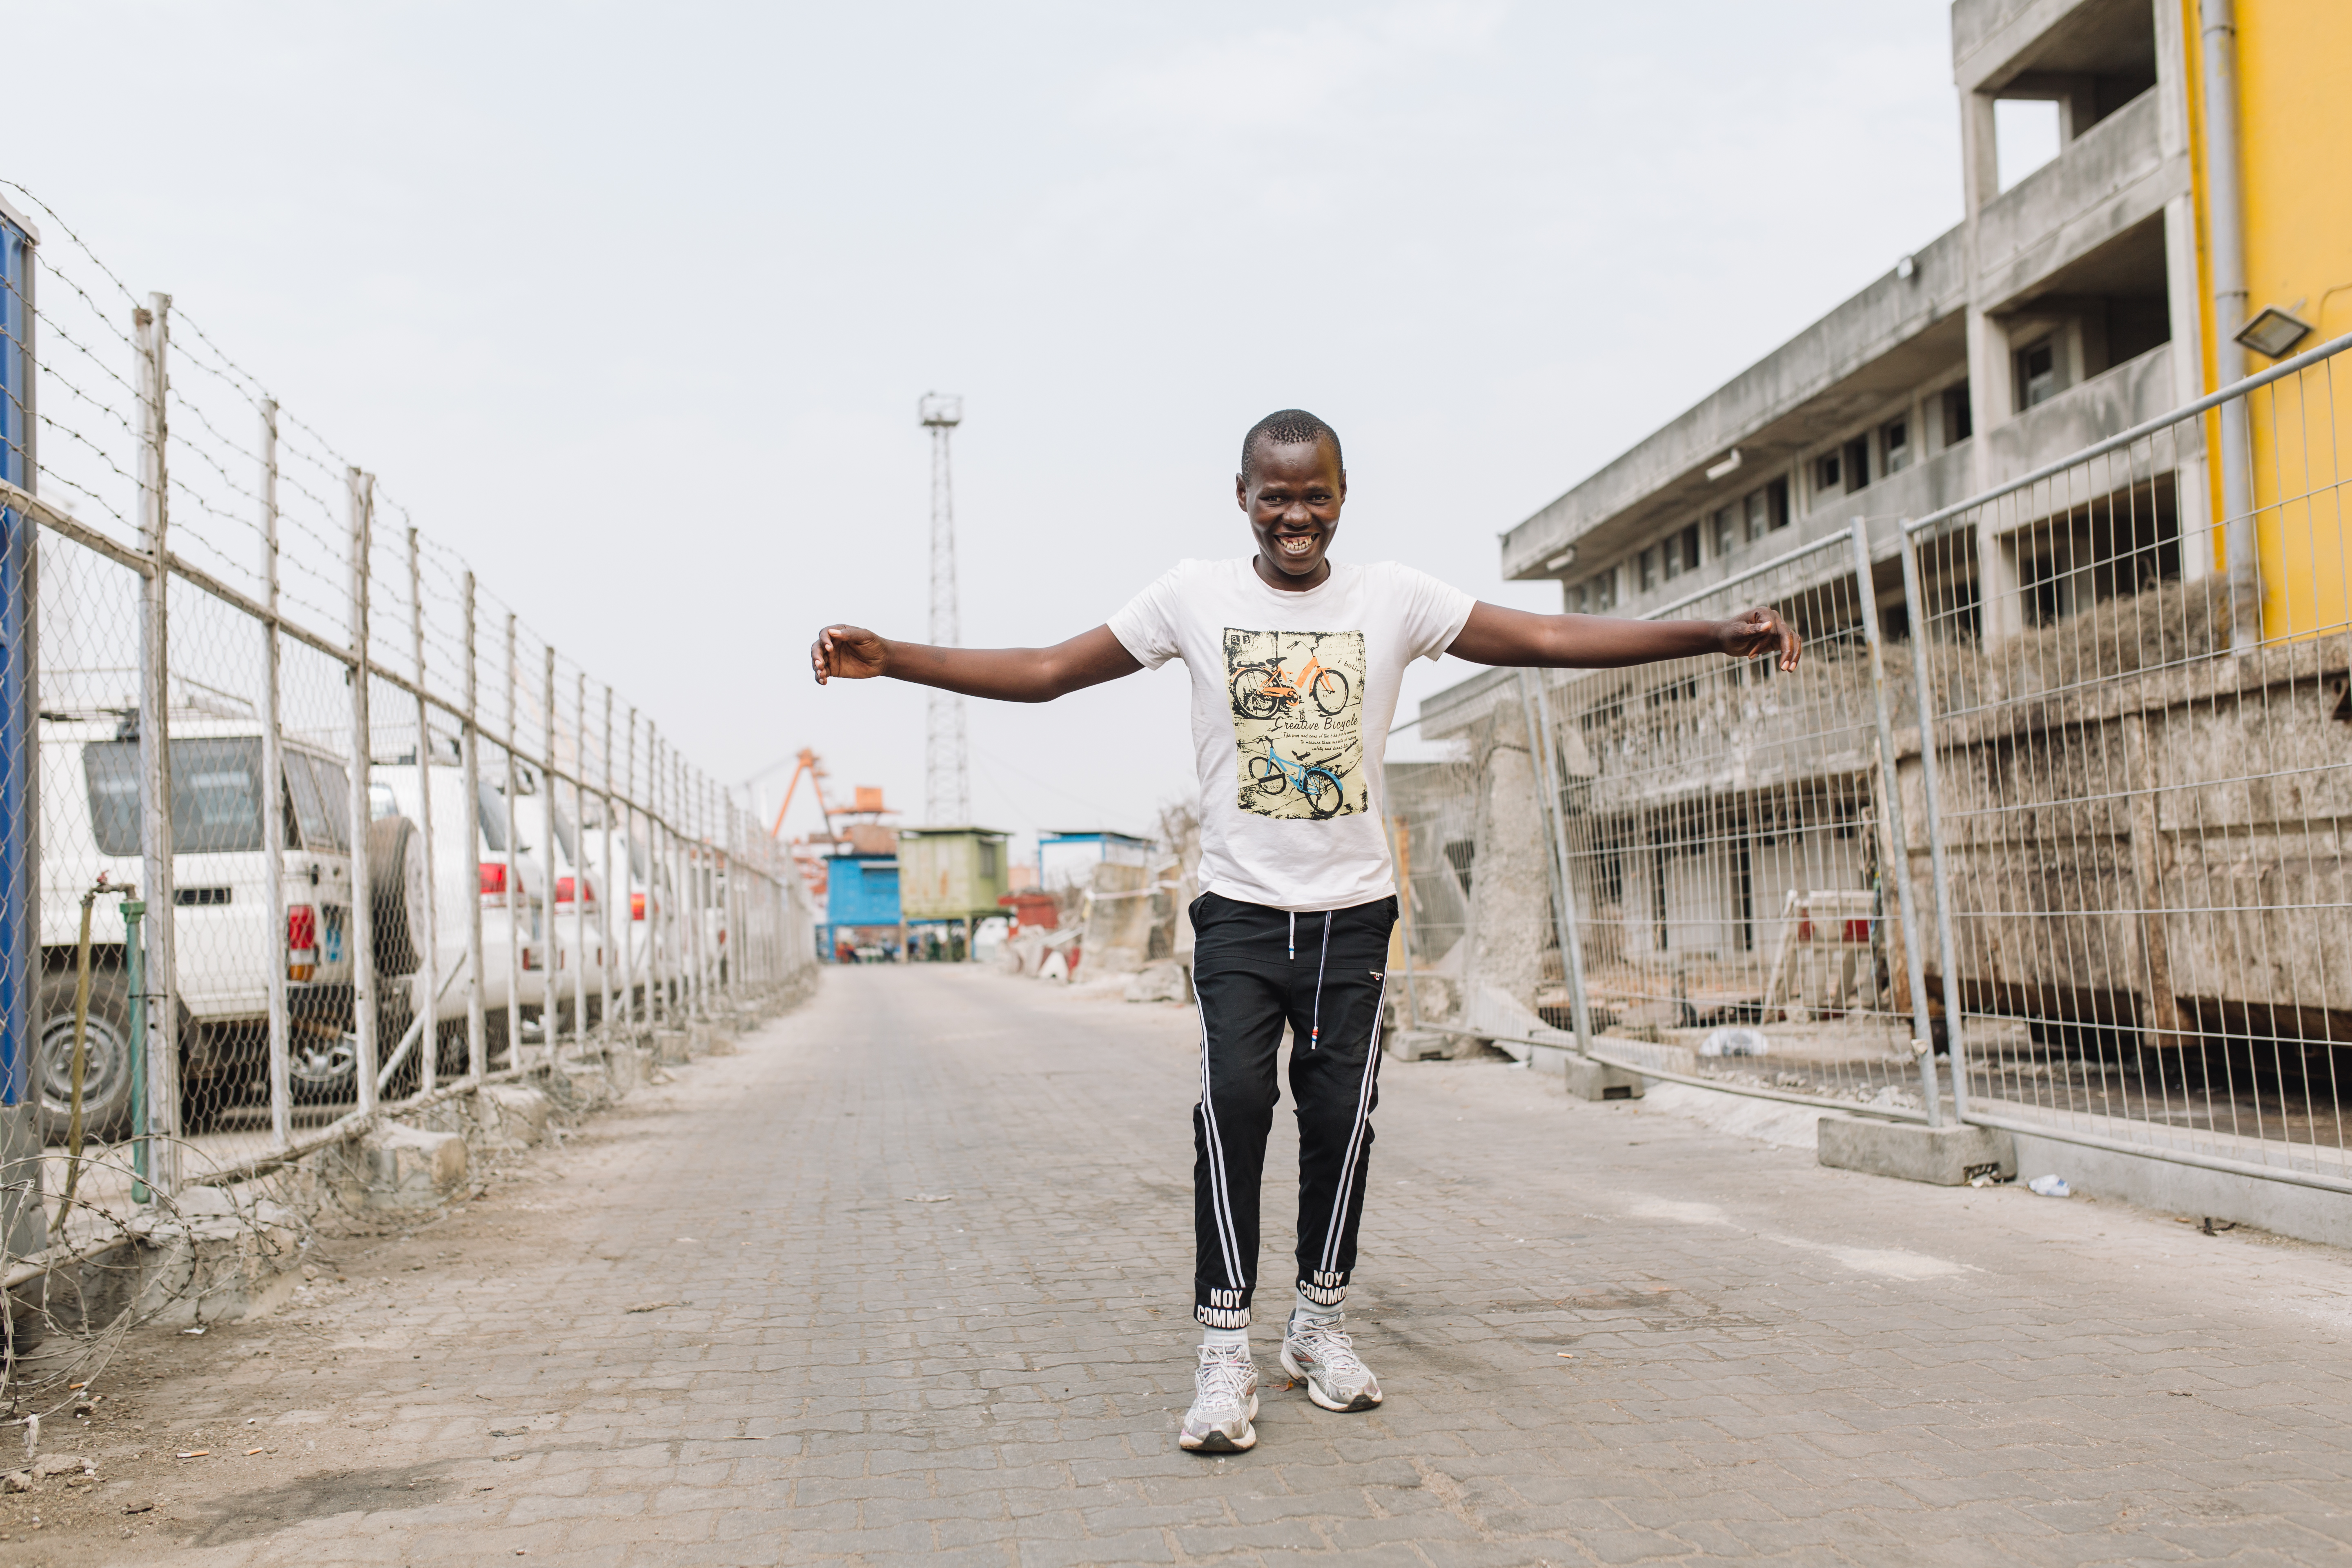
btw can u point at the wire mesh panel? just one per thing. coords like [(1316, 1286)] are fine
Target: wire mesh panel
[(2143, 746), (1727, 842)]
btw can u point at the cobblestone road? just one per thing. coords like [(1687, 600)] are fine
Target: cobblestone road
[(1763, 1358)]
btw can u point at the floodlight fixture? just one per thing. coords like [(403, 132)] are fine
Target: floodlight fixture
[(1729, 465), (942, 409), (2273, 331)]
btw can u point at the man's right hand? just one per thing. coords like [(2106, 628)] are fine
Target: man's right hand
[(850, 653)]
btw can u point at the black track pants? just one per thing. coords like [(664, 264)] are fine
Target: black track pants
[(1256, 970)]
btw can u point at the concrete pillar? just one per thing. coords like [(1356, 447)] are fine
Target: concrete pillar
[(1510, 880)]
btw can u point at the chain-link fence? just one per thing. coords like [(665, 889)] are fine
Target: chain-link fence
[(321, 828)]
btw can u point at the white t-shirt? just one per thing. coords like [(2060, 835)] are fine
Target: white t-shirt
[(1292, 695)]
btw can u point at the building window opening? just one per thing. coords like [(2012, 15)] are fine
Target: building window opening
[(1959, 418), (1829, 474), (1857, 463), (1604, 591), (1681, 552), (1894, 442), (1649, 568), (1726, 524), (2037, 373), (1767, 508), (2025, 135)]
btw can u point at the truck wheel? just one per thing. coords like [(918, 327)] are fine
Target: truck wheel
[(399, 885), (106, 1058)]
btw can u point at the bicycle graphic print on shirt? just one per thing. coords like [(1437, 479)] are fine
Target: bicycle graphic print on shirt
[(1297, 704)]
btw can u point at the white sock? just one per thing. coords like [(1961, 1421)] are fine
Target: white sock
[(1236, 1338), (1315, 1311)]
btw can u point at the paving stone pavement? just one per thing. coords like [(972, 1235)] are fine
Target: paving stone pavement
[(1606, 1335)]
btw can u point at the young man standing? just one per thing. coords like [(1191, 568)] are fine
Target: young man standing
[(1294, 660)]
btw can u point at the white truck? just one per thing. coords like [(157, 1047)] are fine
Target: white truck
[(225, 943)]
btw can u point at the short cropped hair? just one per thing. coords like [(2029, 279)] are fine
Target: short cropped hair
[(1288, 428)]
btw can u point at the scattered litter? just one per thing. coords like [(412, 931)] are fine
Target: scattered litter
[(643, 1307), (1734, 1042), (251, 1452), (197, 1330), (692, 1238), (511, 1432), (2181, 1393), (1565, 1355), (2211, 1228), (195, 1453), (144, 1505), (32, 1437), (2051, 1187), (931, 1197), (504, 1458)]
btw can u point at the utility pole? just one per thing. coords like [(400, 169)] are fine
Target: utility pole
[(947, 779)]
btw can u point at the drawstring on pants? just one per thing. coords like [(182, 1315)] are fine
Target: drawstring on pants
[(1294, 936), (1314, 1029)]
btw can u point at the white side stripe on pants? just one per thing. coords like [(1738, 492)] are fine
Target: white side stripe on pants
[(1220, 1199), (1356, 1138)]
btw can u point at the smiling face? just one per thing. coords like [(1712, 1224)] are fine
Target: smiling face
[(1293, 493)]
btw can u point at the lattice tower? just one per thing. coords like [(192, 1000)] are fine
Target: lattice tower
[(946, 776)]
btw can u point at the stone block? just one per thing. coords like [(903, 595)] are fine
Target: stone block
[(1417, 1045), (512, 1112), (1585, 1079), (400, 1167), (1941, 1156), (673, 1048)]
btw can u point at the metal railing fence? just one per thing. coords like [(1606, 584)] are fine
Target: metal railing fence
[(2137, 766), (2081, 828), (378, 837)]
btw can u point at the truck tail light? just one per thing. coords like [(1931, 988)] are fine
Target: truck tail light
[(302, 942), (563, 890), (530, 958), (494, 879), (636, 906)]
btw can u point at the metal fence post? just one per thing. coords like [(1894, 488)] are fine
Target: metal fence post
[(551, 990), (1914, 599), (273, 789), (629, 924), (1890, 827), (360, 494), (162, 1147), (604, 893), (477, 1043), (518, 904), (1563, 891), (580, 858), (428, 977), (658, 902)]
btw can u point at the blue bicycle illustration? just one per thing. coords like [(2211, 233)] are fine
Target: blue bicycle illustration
[(1275, 772)]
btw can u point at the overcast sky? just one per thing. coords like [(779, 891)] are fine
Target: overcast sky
[(632, 304)]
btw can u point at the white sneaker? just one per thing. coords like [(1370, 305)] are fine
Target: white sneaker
[(1224, 1402), (1320, 1356)]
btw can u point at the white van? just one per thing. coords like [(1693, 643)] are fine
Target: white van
[(225, 946)]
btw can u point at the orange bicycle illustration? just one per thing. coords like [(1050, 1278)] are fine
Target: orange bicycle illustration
[(1263, 690)]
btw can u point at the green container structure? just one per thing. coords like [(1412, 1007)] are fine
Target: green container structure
[(952, 875)]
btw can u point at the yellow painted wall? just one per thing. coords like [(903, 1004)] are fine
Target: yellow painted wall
[(2295, 129)]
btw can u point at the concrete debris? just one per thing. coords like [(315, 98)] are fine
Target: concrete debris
[(931, 1197), (19, 1480), (62, 1464), (1163, 980)]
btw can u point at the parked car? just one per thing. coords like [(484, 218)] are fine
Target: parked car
[(226, 945)]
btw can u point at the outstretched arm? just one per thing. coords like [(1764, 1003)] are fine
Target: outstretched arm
[(1007, 674), (1494, 634)]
